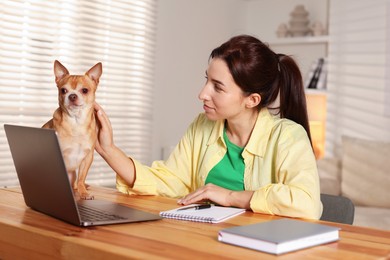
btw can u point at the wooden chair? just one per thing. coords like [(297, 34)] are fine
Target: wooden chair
[(337, 209)]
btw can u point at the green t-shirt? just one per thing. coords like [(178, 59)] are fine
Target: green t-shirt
[(229, 172)]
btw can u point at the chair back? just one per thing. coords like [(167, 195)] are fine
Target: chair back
[(337, 209)]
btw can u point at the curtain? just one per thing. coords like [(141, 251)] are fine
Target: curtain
[(78, 33), (358, 74)]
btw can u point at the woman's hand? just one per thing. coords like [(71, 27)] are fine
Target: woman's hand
[(218, 195), (105, 140), (105, 146)]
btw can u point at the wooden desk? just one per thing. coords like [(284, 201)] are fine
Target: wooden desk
[(27, 234)]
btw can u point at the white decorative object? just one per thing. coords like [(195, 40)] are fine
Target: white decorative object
[(282, 31), (317, 29), (299, 22)]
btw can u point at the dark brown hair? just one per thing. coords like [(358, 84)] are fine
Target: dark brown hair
[(257, 69)]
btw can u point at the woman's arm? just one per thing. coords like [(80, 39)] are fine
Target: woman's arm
[(219, 195), (105, 146)]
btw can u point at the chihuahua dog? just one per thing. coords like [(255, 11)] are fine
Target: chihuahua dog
[(74, 122)]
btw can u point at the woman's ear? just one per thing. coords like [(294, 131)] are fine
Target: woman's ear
[(253, 100)]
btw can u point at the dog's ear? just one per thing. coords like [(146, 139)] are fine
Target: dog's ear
[(59, 71), (95, 72)]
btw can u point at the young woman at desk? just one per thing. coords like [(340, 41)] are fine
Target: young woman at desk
[(237, 153)]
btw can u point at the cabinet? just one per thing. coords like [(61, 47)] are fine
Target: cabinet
[(305, 50), (301, 40)]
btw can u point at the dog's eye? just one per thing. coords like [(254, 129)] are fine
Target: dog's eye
[(85, 90), (64, 90)]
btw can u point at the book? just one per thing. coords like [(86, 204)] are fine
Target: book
[(316, 78), (279, 236), (316, 75), (213, 214)]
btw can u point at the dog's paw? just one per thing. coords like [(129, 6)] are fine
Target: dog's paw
[(87, 196), (82, 190)]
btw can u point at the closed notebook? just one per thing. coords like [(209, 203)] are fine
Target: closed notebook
[(279, 236), (214, 214)]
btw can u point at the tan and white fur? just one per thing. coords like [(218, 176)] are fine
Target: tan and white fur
[(74, 122)]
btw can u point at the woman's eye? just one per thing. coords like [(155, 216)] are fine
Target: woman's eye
[(85, 90), (64, 91), (217, 88)]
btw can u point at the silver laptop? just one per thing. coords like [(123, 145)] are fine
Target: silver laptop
[(46, 187)]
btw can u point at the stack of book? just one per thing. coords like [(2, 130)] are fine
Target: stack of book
[(316, 78)]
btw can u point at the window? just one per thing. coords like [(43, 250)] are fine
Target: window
[(120, 34), (357, 104)]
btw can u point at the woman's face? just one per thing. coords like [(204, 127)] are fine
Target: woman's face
[(222, 97)]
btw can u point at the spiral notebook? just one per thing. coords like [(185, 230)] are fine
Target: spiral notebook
[(214, 214)]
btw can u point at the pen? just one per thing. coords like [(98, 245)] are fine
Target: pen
[(204, 206)]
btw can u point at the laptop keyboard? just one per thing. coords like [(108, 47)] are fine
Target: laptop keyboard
[(93, 215)]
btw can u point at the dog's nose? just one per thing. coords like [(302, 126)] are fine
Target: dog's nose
[(72, 97)]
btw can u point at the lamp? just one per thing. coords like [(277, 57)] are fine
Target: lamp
[(316, 108)]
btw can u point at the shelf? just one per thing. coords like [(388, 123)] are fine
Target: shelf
[(312, 91), (301, 40)]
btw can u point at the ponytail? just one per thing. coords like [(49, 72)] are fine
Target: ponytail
[(292, 94)]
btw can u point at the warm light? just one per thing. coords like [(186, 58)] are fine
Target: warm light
[(316, 108), (318, 138)]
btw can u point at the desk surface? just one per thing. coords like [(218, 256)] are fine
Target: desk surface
[(27, 234)]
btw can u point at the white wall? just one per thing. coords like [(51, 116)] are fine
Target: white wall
[(187, 31)]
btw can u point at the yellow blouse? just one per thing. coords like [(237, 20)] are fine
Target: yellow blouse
[(279, 166)]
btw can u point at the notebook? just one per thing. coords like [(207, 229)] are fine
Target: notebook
[(213, 214), (46, 187), (279, 236)]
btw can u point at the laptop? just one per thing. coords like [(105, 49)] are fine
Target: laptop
[(46, 187)]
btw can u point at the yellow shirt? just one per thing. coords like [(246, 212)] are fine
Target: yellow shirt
[(279, 166)]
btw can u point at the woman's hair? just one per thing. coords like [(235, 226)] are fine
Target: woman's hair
[(257, 69)]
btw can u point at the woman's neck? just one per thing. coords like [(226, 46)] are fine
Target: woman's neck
[(239, 129)]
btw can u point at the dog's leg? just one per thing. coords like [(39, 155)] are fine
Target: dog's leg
[(71, 171), (82, 175), (72, 179)]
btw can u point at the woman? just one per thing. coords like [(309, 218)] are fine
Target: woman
[(237, 153)]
